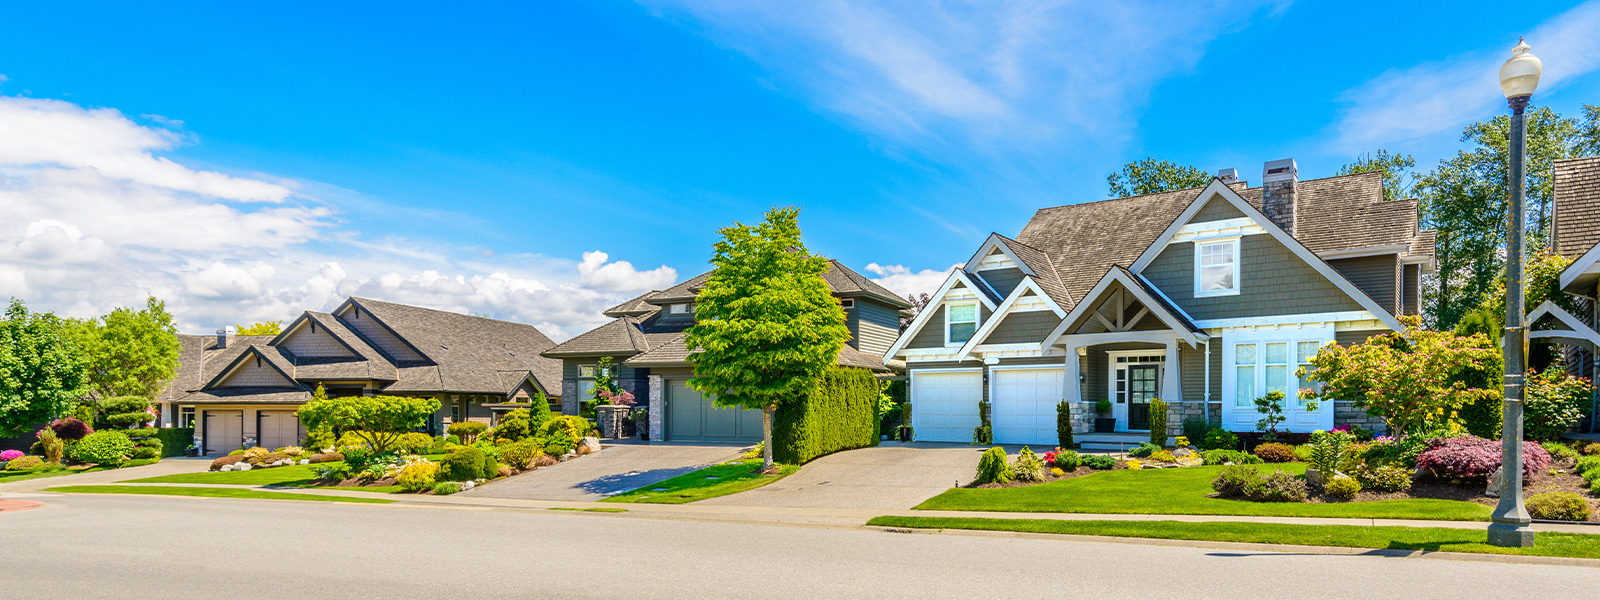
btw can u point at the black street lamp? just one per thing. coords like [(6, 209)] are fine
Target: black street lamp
[(1512, 526)]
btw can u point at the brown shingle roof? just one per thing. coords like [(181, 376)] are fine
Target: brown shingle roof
[(1045, 273), (636, 307), (1577, 205), (673, 353), (467, 352), (843, 281)]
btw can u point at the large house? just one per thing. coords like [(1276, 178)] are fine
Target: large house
[(1575, 224), (645, 341), (242, 391), (1206, 298)]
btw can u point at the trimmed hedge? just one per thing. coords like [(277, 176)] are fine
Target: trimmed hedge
[(175, 441), (840, 413)]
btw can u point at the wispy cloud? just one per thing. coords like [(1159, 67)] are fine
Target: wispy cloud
[(901, 280), (1440, 97), (942, 76)]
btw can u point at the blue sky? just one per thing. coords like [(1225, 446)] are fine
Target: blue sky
[(248, 161)]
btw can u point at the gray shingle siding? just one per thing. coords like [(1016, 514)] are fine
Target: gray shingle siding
[(873, 325), (1273, 281), (1216, 209), (1346, 338), (1378, 276), (1194, 376), (1023, 327), (1002, 280), (932, 333), (1410, 290)]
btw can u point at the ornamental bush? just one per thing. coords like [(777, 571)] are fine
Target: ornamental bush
[(10, 455), (418, 476), (520, 455), (464, 464), (106, 448), (992, 467), (1275, 453), (1328, 450), (1064, 425), (1559, 451), (1586, 464), (1342, 488), (573, 426), (1143, 449), (468, 431), (1276, 487), (1477, 457), (413, 443), (51, 445), (1158, 422), (559, 444), (1388, 478), (1067, 460), (1231, 482), (1028, 466), (70, 428), (518, 424), (1223, 457), (446, 488), (1099, 462), (1555, 402), (1558, 506), (24, 463)]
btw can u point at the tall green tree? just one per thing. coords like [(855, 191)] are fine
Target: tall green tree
[(1589, 131), (130, 352), (1395, 167), (41, 372), (1150, 176), (261, 328), (767, 327), (377, 420)]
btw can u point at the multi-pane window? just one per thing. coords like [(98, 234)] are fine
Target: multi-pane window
[(1244, 366), (586, 370), (1216, 268), (961, 321), (1277, 368), (1303, 353), (186, 416)]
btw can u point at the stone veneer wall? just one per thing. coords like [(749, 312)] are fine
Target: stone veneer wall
[(1347, 413), (569, 397), (657, 409)]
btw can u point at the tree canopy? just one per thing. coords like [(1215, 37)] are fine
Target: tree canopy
[(130, 352), (42, 374), (1150, 176), (377, 420), (1395, 167), (767, 326), (260, 328)]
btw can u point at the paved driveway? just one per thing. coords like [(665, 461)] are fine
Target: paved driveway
[(613, 470), (891, 475)]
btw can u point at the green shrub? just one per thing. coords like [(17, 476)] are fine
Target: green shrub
[(462, 465), (516, 425), (1195, 428), (1558, 506), (1275, 452), (1099, 462), (1143, 449), (1586, 464), (468, 430), (1559, 451), (488, 467), (26, 463), (1594, 487), (1163, 456), (1591, 475), (1028, 466), (145, 452), (125, 411), (320, 439), (1302, 452), (334, 472), (1223, 456), (1064, 425), (1276, 487), (175, 441), (558, 444), (105, 448), (1158, 422), (51, 446), (413, 443), (1328, 450), (992, 467), (446, 488), (418, 476), (1343, 488), (1232, 481), (983, 434), (839, 412), (1068, 460), (520, 454), (1388, 478), (574, 427)]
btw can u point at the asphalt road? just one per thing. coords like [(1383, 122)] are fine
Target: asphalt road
[(135, 547)]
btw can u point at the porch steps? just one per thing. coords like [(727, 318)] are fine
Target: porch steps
[(1110, 442)]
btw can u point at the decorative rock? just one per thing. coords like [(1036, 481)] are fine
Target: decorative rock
[(305, 461), (592, 443), (1182, 452), (1314, 478), (1493, 490), (226, 468), (467, 485), (242, 467)]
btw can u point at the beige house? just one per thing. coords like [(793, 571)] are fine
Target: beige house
[(242, 391)]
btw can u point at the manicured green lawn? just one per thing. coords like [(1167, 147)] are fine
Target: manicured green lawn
[(599, 510), (303, 475), (205, 492), (730, 478), (9, 476), (1181, 492), (1437, 539)]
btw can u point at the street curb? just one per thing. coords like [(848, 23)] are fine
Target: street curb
[(1276, 548)]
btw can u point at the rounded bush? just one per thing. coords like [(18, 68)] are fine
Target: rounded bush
[(418, 476), (1275, 452), (1586, 464), (1028, 466), (1477, 457), (1558, 506), (1559, 451), (1068, 460), (1223, 457), (572, 425), (413, 443), (10, 455), (108, 448), (468, 430), (1231, 482), (225, 461), (520, 454), (462, 465), (1218, 438), (1143, 449), (1099, 462), (24, 463), (1343, 488), (145, 452), (559, 443), (993, 468), (70, 428), (1276, 487), (446, 488), (1388, 478)]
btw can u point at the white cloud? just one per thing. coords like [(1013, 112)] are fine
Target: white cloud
[(93, 217), (1441, 97), (901, 280)]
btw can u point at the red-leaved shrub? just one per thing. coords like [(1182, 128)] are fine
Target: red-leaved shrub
[(70, 429), (1477, 457)]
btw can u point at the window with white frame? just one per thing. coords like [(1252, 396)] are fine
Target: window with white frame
[(586, 370), (961, 321), (1244, 374), (1303, 353), (186, 416), (847, 303), (1276, 367), (1216, 268), (678, 309)]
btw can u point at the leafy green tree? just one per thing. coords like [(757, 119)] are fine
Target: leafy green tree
[(377, 420), (1395, 167), (42, 374), (1589, 131), (767, 327), (261, 328), (1150, 176), (130, 352)]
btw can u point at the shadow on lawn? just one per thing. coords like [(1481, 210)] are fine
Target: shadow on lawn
[(611, 485)]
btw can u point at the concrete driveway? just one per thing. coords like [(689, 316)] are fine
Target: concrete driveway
[(617, 468), (891, 475)]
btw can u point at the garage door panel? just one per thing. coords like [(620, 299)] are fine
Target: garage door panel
[(224, 431), (1024, 405), (692, 416), (278, 428), (944, 404)]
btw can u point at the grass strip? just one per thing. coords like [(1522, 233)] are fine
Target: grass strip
[(599, 510), (206, 492), (1431, 539), (9, 476), (285, 475), (713, 481), (1183, 492)]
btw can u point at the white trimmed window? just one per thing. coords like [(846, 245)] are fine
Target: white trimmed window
[(847, 303), (1244, 378), (1276, 366), (1216, 268), (960, 322), (586, 371), (1303, 353), (678, 309)]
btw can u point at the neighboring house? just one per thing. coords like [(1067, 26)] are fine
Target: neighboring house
[(242, 391), (1575, 221), (645, 341), (1206, 298)]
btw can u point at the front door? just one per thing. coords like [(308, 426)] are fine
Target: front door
[(1143, 386)]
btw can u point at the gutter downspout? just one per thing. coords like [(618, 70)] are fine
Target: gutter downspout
[(1208, 381)]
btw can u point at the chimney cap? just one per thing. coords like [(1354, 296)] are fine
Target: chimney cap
[(1229, 175), (1283, 169)]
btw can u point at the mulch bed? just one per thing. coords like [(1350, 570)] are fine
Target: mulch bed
[(1048, 477), (1471, 490)]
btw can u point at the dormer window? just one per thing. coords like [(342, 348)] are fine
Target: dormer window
[(678, 309), (961, 321), (1216, 268)]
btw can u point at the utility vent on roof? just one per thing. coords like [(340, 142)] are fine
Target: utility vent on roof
[(1228, 175), (442, 346)]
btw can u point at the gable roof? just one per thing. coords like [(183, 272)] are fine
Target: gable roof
[(843, 281), (1029, 284), (984, 293), (620, 336), (1032, 261), (1575, 216), (636, 307), (467, 352), (1173, 317), (274, 360), (1576, 329), (674, 352)]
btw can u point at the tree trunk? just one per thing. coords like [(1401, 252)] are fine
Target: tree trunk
[(766, 438)]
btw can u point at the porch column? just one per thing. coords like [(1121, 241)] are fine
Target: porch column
[(1172, 382), (1070, 388)]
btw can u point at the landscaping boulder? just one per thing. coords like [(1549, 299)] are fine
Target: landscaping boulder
[(589, 445), (225, 468), (1493, 490), (305, 461), (242, 467)]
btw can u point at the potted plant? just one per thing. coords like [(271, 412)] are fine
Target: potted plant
[(906, 433), (1104, 422)]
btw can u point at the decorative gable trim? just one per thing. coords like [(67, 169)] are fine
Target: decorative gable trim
[(1218, 189), (367, 314), (302, 320), (239, 362), (1579, 329), (938, 299), (1586, 264), (1006, 308), (981, 261), (1117, 275)]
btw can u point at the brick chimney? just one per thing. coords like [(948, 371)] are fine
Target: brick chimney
[(1278, 182)]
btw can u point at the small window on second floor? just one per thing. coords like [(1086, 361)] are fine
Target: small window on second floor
[(1216, 268), (678, 309), (586, 370), (961, 321), (848, 303)]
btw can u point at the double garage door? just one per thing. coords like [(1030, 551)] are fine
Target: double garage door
[(224, 430), (1022, 409), (692, 417)]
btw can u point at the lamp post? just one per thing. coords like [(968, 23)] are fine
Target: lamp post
[(1511, 526)]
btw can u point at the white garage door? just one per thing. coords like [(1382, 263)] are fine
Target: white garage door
[(944, 404), (1024, 405)]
